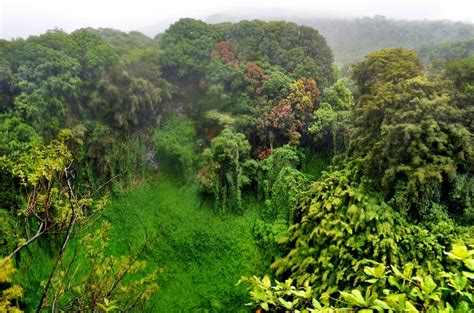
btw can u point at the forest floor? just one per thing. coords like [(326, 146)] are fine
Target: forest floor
[(201, 254)]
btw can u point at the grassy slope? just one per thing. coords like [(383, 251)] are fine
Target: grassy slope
[(202, 254)]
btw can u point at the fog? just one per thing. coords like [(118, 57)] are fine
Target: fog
[(21, 18)]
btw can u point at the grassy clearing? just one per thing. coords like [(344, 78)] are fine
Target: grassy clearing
[(202, 255)]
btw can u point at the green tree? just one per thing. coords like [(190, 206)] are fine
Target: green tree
[(385, 66), (407, 133), (338, 225), (187, 47), (222, 172)]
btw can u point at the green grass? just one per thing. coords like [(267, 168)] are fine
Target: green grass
[(201, 254)]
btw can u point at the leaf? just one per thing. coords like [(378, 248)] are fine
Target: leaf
[(369, 271), (410, 308), (396, 271), (458, 282), (379, 271), (358, 296), (381, 304), (267, 283), (354, 298), (286, 304), (428, 284), (469, 275), (459, 252), (469, 263), (316, 304)]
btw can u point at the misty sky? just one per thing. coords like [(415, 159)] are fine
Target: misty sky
[(21, 18)]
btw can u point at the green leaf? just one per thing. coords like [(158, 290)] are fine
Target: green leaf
[(316, 304), (469, 275), (381, 304), (286, 304), (459, 252), (379, 271), (267, 283), (409, 307), (354, 298), (428, 284)]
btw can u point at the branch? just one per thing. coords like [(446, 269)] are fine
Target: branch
[(41, 230), (70, 228)]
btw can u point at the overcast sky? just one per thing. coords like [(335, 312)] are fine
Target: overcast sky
[(21, 18)]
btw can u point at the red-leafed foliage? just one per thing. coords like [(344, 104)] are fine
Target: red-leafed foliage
[(289, 117), (224, 51), (255, 76)]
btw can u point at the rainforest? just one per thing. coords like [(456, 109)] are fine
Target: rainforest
[(253, 166)]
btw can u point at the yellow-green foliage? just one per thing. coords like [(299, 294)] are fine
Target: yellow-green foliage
[(9, 293), (339, 225), (385, 289), (91, 278), (385, 66), (407, 133)]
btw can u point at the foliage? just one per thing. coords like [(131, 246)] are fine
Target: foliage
[(387, 290), (10, 293), (15, 134), (285, 156), (107, 282), (408, 134), (174, 141), (187, 46), (222, 171), (301, 51), (331, 121), (461, 73), (200, 254), (277, 85), (40, 171), (339, 225), (132, 105), (287, 120), (385, 66)]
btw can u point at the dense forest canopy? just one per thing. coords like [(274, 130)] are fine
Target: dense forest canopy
[(154, 174), (351, 39)]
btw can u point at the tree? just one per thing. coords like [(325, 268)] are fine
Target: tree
[(331, 121), (222, 172), (385, 66), (289, 118), (299, 50), (407, 134), (104, 282), (126, 102), (461, 73), (187, 47), (46, 81), (338, 226)]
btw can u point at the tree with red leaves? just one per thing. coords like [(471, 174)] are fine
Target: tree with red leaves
[(223, 50), (287, 120)]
